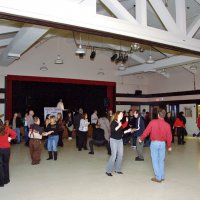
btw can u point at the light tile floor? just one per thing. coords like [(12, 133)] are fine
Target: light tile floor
[(80, 176)]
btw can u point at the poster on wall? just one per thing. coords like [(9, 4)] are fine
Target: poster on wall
[(188, 112), (52, 111)]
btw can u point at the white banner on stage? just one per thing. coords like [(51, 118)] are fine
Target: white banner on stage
[(52, 111)]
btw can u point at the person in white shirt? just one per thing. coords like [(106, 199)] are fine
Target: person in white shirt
[(83, 130), (60, 105)]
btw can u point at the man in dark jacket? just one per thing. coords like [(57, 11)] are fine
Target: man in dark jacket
[(77, 119), (140, 127)]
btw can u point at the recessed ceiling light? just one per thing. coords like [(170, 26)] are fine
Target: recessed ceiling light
[(150, 60), (100, 73), (44, 67), (121, 67), (58, 60)]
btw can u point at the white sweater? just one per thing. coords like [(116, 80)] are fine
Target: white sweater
[(84, 125)]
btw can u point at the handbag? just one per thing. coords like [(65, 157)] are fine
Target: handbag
[(70, 128), (34, 134)]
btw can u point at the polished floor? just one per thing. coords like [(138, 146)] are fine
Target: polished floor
[(81, 176)]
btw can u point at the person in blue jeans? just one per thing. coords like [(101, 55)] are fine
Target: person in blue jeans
[(140, 126), (26, 130), (160, 135), (116, 144), (52, 132), (16, 123)]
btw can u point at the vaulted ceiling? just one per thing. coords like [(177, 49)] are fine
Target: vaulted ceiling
[(166, 30)]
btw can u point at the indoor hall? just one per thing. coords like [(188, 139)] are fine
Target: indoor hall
[(146, 50), (79, 175)]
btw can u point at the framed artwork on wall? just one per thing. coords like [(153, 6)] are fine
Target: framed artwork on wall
[(188, 111)]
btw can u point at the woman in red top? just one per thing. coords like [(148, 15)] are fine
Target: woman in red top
[(179, 129), (198, 122), (6, 135)]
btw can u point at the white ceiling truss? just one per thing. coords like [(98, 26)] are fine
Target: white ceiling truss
[(173, 23)]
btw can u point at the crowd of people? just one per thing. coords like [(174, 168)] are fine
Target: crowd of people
[(110, 130)]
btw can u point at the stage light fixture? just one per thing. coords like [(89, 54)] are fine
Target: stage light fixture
[(125, 58), (93, 54), (80, 49), (150, 59), (113, 58), (121, 67), (58, 60), (119, 59)]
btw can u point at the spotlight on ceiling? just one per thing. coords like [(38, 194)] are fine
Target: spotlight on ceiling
[(135, 47), (141, 49), (80, 49), (125, 58), (120, 58), (58, 60), (193, 68), (93, 54), (113, 58), (150, 59), (121, 67)]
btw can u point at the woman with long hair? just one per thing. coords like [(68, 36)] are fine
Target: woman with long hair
[(179, 127), (116, 144), (6, 135), (61, 128)]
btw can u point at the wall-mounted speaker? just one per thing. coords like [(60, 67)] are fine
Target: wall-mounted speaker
[(138, 92)]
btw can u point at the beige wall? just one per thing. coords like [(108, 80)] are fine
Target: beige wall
[(180, 80)]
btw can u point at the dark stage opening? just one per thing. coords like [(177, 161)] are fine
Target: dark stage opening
[(30, 92), (37, 95)]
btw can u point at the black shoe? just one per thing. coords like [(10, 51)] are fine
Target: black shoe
[(50, 156), (139, 159), (118, 172), (55, 155), (91, 152), (79, 149), (109, 174), (183, 142)]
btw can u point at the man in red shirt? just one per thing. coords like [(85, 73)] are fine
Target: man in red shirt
[(160, 134), (198, 125)]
